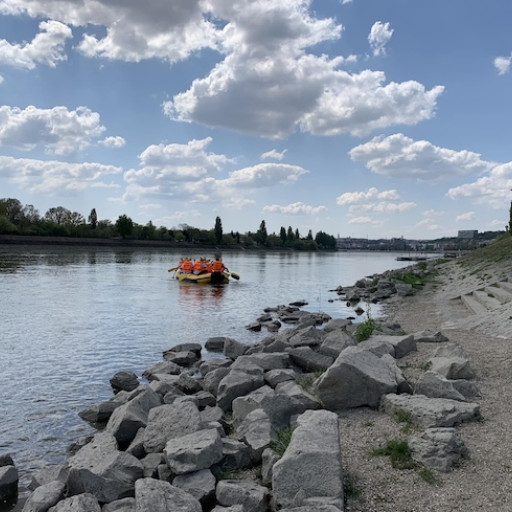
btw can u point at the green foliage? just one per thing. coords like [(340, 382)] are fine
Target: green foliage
[(415, 280), (351, 490), (364, 330), (399, 454), (218, 230), (405, 418), (124, 226), (284, 436), (428, 476)]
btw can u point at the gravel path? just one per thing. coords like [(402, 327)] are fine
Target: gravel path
[(483, 482)]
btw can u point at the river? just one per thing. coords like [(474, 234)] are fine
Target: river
[(72, 317)]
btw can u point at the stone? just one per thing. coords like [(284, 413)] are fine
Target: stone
[(335, 342), (8, 483), (158, 496), (129, 417), (451, 361), (237, 383), (438, 448), (122, 505), (82, 503), (257, 432), (403, 345), (162, 367), (99, 468), (186, 347), (311, 466), (357, 378), (236, 455), (99, 413), (45, 496), (428, 336), (431, 412), (169, 421), (213, 378), (215, 344), (252, 497), (234, 348), (124, 381), (433, 385), (309, 360), (193, 452), (308, 336), (188, 384), (274, 377), (266, 361), (200, 484), (268, 458)]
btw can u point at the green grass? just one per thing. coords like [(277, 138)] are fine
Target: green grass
[(399, 454), (364, 330), (284, 437), (405, 418), (429, 476)]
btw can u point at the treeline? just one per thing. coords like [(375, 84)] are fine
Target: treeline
[(19, 219)]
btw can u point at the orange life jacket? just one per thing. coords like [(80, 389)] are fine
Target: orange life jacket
[(187, 266), (218, 266)]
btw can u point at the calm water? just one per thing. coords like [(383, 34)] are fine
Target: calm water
[(71, 318)]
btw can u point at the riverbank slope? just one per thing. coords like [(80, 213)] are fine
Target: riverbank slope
[(449, 303)]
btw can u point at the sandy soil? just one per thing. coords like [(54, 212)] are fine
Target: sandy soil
[(483, 481)]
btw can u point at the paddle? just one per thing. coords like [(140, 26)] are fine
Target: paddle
[(234, 275), (172, 269)]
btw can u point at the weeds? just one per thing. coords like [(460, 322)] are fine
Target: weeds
[(405, 418), (429, 476), (365, 329), (399, 454), (284, 437)]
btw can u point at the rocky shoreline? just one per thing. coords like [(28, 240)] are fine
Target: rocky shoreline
[(263, 427)]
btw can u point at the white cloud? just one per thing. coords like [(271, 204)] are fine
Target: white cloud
[(47, 47), (273, 154), (113, 142), (379, 37), (492, 190), (464, 217), (502, 64), (366, 220), (294, 209), (371, 194), (52, 176), (59, 130), (399, 156)]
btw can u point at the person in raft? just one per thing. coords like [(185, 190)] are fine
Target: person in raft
[(218, 268)]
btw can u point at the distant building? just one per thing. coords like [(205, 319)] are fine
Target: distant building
[(467, 233)]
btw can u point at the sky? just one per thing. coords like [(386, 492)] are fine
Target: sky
[(359, 118)]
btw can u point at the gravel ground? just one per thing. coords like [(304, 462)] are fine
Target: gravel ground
[(483, 481)]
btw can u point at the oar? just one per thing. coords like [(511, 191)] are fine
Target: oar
[(234, 275), (172, 269)]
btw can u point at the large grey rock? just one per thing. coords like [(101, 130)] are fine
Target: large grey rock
[(428, 336), (209, 365), (193, 452), (99, 413), (301, 398), (268, 458), (48, 474), (200, 484), (403, 345), (336, 324), (311, 466), (157, 496), (99, 468), (377, 345), (335, 342), (234, 348), (266, 361), (274, 377), (237, 383), (433, 385), (161, 368), (438, 448), (402, 384), (252, 497), (313, 507), (257, 432), (213, 378), (168, 421), (236, 455), (8, 482), (310, 360), (451, 361), (82, 503), (45, 496), (357, 378), (188, 384), (127, 419), (243, 405), (431, 412), (307, 336), (124, 380)]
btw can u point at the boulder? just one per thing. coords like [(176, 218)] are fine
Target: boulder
[(99, 413), (237, 383), (309, 360), (128, 418), (428, 336), (188, 384), (99, 468), (438, 448), (252, 497), (200, 484), (45, 496), (357, 378), (8, 483), (266, 361), (451, 361), (169, 421), (163, 367), (213, 378), (275, 377), (236, 455), (124, 380), (433, 385), (301, 399), (307, 336), (431, 412), (82, 503), (186, 347), (215, 344), (123, 505), (403, 345), (335, 342), (257, 432), (158, 496), (336, 324), (311, 466), (234, 348), (193, 452)]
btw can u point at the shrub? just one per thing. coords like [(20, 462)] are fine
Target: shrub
[(284, 436)]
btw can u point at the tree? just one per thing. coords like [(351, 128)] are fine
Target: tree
[(282, 234), (261, 234), (74, 219), (56, 215), (93, 218), (310, 235), (218, 230), (124, 226), (510, 219)]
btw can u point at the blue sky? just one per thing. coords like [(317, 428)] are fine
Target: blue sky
[(362, 118)]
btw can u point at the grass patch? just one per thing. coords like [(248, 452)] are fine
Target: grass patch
[(399, 454), (364, 330), (405, 418), (429, 476), (411, 278), (351, 490), (284, 436)]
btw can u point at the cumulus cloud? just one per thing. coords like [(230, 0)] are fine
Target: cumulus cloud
[(379, 37), (273, 154), (113, 142), (47, 47), (366, 220), (399, 156), (502, 64), (298, 208), (493, 189), (52, 176), (372, 194), (464, 217), (59, 130)]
